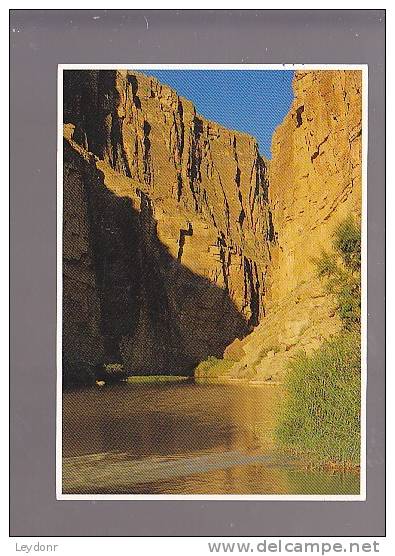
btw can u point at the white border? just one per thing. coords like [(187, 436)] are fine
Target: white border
[(284, 497)]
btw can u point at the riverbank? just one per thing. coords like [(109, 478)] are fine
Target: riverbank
[(147, 379)]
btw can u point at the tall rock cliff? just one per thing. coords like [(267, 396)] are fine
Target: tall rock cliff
[(167, 227), (316, 171), (175, 245), (315, 182)]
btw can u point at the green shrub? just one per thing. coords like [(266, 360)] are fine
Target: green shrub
[(347, 243), (341, 271), (212, 367)]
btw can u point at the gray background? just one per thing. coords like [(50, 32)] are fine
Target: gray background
[(40, 39)]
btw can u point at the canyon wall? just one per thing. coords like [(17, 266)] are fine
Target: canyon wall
[(315, 183), (181, 241), (167, 228), (316, 172), (82, 337)]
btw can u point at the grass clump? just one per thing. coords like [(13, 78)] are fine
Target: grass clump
[(213, 367), (321, 415)]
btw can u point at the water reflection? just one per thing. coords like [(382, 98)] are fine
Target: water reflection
[(182, 439)]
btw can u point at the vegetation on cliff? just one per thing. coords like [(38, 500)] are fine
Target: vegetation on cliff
[(212, 367), (321, 415), (341, 270)]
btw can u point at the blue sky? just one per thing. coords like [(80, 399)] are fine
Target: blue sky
[(254, 101)]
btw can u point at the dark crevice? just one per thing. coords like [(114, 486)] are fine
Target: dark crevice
[(318, 151), (242, 214), (132, 80), (271, 234), (181, 241), (195, 159), (252, 286), (224, 263), (299, 112), (147, 153), (238, 177)]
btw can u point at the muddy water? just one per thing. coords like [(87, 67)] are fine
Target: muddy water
[(182, 438)]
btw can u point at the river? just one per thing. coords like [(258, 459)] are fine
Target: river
[(183, 438)]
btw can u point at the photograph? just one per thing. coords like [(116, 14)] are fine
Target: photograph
[(211, 281)]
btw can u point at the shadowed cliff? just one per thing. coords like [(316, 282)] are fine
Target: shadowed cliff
[(125, 297)]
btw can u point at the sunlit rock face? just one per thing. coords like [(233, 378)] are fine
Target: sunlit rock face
[(315, 183), (315, 174), (173, 223)]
